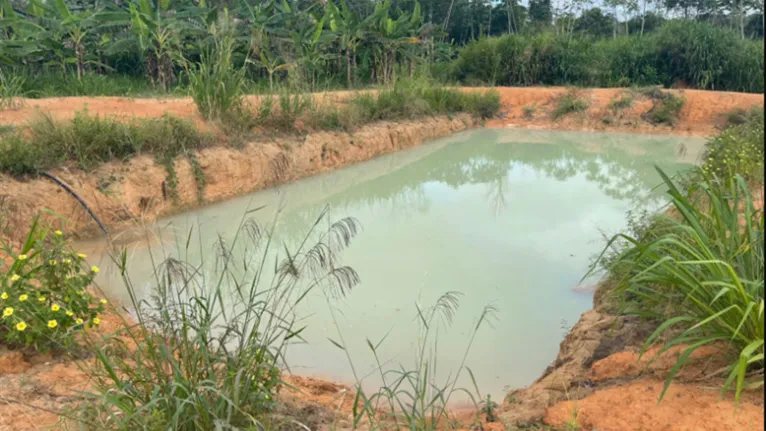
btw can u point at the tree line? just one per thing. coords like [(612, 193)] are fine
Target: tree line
[(315, 43)]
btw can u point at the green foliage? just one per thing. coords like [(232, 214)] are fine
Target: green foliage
[(568, 103), (697, 54), (11, 89), (488, 407), (58, 84), (44, 293), (91, 140), (209, 347), (666, 108), (702, 271), (216, 85), (739, 149), (623, 102)]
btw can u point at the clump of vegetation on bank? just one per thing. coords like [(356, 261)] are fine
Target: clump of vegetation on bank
[(44, 297), (207, 351), (568, 103), (666, 107), (739, 149), (699, 270)]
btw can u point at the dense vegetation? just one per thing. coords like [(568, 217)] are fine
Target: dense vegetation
[(138, 47), (698, 271), (697, 55)]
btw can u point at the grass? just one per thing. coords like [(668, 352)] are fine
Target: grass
[(568, 103), (666, 107), (207, 350), (701, 274), (216, 86), (89, 141), (414, 397), (11, 91), (623, 102)]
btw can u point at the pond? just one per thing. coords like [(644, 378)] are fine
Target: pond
[(505, 217)]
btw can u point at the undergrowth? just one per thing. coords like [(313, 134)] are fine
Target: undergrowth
[(89, 141), (568, 103), (738, 149), (666, 107), (207, 349), (701, 271)]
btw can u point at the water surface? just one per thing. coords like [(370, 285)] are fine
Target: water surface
[(506, 217)]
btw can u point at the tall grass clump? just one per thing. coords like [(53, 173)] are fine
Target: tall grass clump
[(701, 273), (215, 84), (666, 106), (11, 91), (568, 103), (207, 349), (738, 149), (410, 99), (92, 140), (416, 398)]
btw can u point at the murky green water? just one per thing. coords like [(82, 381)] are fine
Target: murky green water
[(505, 217)]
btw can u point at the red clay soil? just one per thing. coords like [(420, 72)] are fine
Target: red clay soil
[(702, 112)]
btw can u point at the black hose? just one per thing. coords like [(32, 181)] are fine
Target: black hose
[(79, 199)]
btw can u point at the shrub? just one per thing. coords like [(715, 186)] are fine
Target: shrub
[(739, 149), (623, 102), (702, 271), (567, 103), (666, 109), (45, 299)]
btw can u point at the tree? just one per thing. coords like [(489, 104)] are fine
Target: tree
[(540, 12), (594, 21)]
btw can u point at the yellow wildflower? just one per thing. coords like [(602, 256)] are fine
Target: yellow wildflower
[(52, 324), (4, 295), (59, 233), (21, 326), (22, 257), (103, 301), (78, 321), (94, 269), (67, 261), (82, 255), (52, 262), (55, 307), (96, 321), (41, 299), (70, 313), (15, 277), (8, 311), (23, 297)]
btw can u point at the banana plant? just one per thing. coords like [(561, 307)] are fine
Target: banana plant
[(348, 26)]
